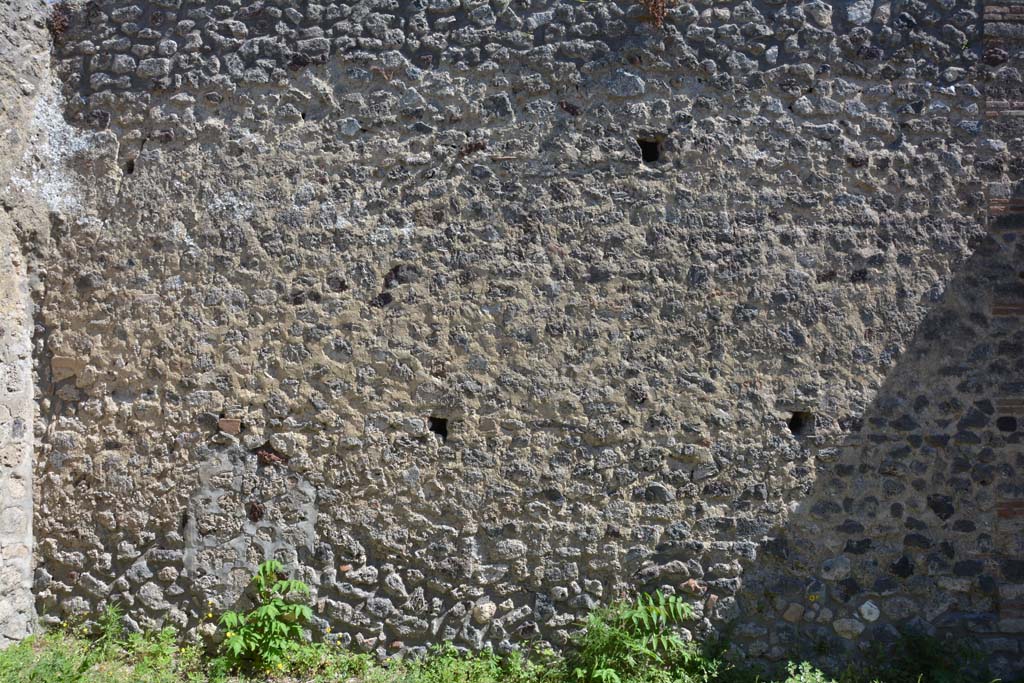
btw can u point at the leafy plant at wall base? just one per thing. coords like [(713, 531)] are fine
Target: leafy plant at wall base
[(630, 642), (328, 663), (264, 636), (156, 656), (917, 658), (805, 673), (111, 631)]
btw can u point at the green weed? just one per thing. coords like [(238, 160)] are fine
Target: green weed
[(628, 642), (638, 642), (262, 637)]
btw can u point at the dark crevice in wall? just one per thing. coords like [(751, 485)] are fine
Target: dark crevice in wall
[(801, 423), (439, 426), (650, 150)]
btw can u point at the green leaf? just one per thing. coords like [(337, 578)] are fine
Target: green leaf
[(268, 611), (271, 629), (236, 645), (270, 567)]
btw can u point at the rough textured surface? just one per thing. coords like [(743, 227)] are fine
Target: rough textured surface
[(16, 608), (24, 67), (398, 292)]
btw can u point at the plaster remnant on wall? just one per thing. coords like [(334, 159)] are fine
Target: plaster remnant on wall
[(24, 74), (45, 167), (16, 441)]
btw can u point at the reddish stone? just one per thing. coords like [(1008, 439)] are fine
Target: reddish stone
[(1010, 509)]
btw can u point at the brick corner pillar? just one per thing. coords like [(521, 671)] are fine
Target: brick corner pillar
[(1002, 62)]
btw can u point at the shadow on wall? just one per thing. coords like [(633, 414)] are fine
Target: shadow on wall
[(916, 518)]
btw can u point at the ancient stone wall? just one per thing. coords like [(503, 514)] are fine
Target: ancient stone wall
[(24, 64), (479, 313), (16, 608)]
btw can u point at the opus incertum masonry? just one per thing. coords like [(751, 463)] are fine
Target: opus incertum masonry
[(480, 313)]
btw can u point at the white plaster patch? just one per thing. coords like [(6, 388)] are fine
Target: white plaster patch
[(44, 168), (384, 234), (230, 206)]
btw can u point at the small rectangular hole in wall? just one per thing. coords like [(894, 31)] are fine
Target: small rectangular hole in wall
[(801, 423), (1007, 423), (439, 426), (650, 149)]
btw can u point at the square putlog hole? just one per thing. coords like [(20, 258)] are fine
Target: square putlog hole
[(650, 150), (438, 425), (801, 423)]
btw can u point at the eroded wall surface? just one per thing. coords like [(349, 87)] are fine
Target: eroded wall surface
[(388, 290), (16, 407), (24, 66)]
